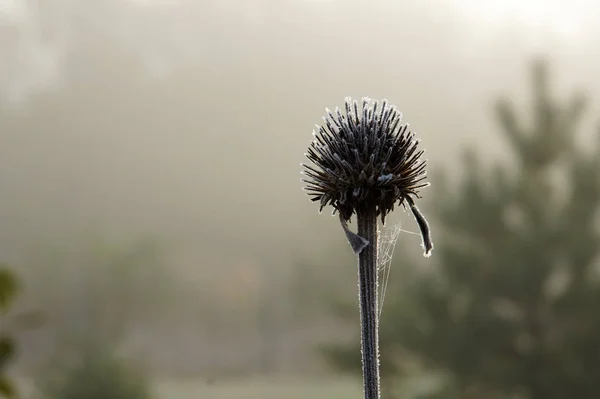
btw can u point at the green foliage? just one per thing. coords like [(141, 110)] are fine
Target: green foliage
[(7, 388), (97, 374), (7, 350), (510, 308), (9, 288)]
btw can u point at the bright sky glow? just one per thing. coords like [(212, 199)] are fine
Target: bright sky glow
[(563, 19), (10, 9)]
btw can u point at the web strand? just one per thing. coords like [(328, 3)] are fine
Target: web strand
[(387, 243)]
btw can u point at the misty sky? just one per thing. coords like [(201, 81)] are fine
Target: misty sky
[(224, 182)]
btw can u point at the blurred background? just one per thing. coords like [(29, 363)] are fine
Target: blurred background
[(156, 242)]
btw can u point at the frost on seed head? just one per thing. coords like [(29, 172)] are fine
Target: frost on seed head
[(385, 178), (363, 156), (364, 149)]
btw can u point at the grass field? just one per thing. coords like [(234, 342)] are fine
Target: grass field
[(257, 389), (274, 388), (288, 388)]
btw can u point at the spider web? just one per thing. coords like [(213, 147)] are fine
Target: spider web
[(387, 243)]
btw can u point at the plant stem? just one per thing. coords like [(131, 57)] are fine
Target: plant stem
[(367, 282)]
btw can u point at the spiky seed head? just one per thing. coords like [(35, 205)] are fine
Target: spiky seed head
[(364, 156)]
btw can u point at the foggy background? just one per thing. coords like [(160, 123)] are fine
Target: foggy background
[(150, 158)]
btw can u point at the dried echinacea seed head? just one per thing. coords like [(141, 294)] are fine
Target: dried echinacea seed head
[(366, 158)]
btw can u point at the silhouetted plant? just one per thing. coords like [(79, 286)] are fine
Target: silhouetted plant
[(365, 162)]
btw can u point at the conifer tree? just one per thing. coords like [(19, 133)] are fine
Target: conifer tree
[(511, 309)]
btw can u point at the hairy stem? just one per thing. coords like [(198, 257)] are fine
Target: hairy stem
[(367, 282)]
